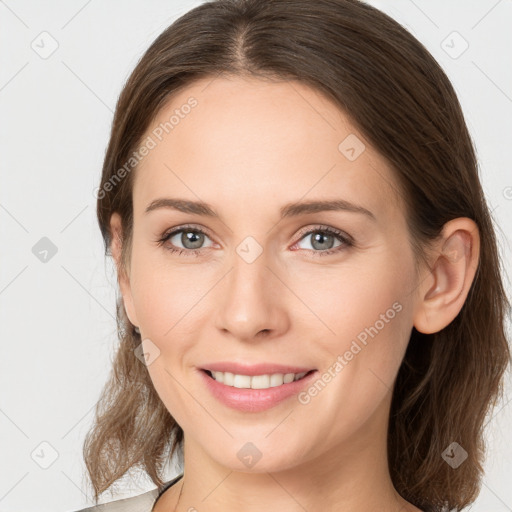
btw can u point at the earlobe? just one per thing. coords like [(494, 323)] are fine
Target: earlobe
[(452, 272), (123, 278)]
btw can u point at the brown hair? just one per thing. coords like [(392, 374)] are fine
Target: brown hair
[(400, 99)]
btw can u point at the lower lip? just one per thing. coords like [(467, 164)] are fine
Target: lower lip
[(254, 400)]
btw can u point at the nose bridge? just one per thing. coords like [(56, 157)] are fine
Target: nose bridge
[(248, 302), (249, 278)]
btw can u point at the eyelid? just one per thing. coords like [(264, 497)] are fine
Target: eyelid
[(324, 228), (190, 227), (302, 232)]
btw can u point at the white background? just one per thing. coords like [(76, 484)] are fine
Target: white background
[(57, 318)]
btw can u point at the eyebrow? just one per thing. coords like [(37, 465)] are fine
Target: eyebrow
[(288, 210)]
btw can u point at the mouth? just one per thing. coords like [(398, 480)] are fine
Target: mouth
[(264, 381), (256, 393)]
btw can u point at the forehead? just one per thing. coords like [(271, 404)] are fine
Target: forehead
[(249, 143)]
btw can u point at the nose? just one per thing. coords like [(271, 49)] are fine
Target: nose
[(252, 301)]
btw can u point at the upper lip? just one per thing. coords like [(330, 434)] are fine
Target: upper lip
[(253, 369)]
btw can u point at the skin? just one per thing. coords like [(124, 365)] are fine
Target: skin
[(247, 148)]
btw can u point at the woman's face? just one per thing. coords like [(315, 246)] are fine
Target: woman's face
[(261, 287)]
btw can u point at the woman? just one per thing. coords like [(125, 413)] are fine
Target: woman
[(312, 311)]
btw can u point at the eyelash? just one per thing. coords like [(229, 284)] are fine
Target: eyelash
[(345, 239)]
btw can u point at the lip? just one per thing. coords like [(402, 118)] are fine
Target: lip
[(255, 400), (253, 369)]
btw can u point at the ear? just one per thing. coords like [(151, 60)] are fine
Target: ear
[(443, 290), (122, 273)]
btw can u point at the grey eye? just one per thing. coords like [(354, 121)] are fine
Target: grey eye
[(189, 238), (320, 240)]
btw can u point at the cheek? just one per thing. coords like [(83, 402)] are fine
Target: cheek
[(162, 293), (353, 297), (372, 323), (367, 312)]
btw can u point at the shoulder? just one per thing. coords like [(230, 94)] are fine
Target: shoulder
[(141, 503)]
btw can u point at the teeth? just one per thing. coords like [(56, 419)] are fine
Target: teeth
[(256, 381)]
